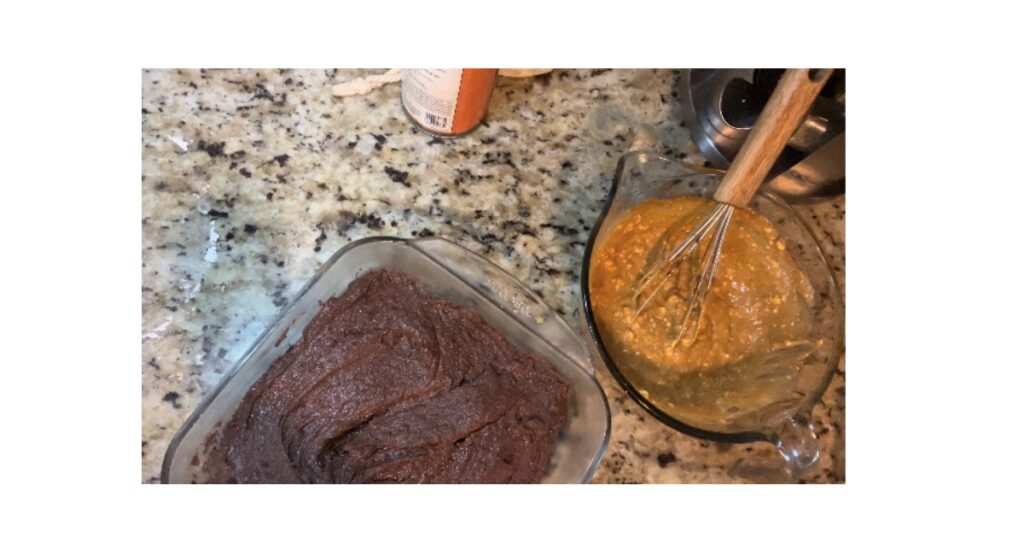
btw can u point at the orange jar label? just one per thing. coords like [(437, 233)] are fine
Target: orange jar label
[(447, 102)]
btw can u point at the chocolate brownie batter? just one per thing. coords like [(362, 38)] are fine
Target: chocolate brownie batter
[(391, 384)]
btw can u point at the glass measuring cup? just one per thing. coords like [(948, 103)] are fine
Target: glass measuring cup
[(739, 412)]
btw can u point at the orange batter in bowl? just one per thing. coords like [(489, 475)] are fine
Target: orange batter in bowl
[(755, 328)]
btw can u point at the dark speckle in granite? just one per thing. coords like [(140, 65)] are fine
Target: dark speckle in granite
[(499, 158), (398, 176), (261, 92), (213, 149), (172, 398), (371, 221), (319, 240)]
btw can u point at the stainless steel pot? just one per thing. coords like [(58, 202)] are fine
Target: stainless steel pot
[(720, 107)]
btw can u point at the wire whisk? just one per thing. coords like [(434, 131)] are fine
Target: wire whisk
[(785, 110)]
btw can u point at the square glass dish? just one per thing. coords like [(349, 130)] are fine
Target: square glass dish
[(450, 272)]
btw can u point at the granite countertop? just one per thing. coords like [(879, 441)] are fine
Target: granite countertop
[(251, 179)]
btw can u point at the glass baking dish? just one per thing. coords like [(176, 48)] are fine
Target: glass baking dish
[(451, 272)]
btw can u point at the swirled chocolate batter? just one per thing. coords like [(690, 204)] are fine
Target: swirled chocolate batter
[(391, 384)]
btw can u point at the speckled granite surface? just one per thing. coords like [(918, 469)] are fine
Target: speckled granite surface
[(251, 179)]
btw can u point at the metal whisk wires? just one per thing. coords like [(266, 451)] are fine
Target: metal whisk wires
[(715, 224)]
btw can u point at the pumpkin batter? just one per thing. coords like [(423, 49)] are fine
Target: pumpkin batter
[(755, 330)]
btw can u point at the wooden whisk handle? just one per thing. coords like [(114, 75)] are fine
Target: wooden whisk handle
[(780, 118)]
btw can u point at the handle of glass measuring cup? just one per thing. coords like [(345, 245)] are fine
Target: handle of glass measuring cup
[(796, 442)]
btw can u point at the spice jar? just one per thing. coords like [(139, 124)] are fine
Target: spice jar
[(447, 102)]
